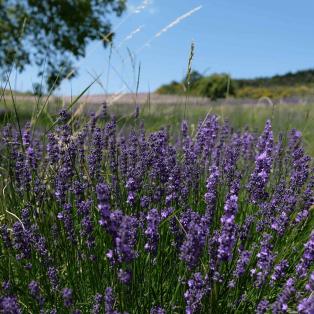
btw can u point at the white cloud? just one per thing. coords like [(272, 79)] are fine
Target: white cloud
[(177, 21), (131, 35), (144, 5)]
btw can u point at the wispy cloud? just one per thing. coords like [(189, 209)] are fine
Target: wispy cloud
[(130, 35), (169, 26), (178, 20), (145, 4)]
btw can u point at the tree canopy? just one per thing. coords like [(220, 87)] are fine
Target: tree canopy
[(53, 33), (213, 86)]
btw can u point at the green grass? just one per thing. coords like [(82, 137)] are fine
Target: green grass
[(284, 117)]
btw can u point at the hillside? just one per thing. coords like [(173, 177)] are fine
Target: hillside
[(300, 83)]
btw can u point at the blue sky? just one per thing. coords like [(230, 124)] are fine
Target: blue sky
[(244, 38)]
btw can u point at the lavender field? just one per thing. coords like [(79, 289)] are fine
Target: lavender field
[(110, 213)]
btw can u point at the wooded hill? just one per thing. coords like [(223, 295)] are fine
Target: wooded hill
[(300, 83)]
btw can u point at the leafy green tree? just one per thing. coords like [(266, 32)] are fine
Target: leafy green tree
[(193, 78), (53, 33), (215, 86)]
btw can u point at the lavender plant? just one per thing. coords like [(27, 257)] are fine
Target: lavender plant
[(94, 220)]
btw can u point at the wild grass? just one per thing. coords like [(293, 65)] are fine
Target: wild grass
[(283, 116)]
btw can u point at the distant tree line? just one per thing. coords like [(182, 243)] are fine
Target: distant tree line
[(222, 85)]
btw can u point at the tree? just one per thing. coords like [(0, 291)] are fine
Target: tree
[(192, 78), (53, 33), (215, 86)]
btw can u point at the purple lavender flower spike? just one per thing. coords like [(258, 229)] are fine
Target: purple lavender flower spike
[(151, 231), (53, 277), (34, 288), (103, 197), (157, 310), (279, 271), (87, 226), (67, 218), (98, 300), (87, 231), (281, 303), (244, 231), (266, 139), (95, 157), (307, 200), (299, 161), (247, 145), (265, 259), (227, 236), (263, 162), (307, 258), (165, 213), (232, 153), (67, 295), (242, 263), (21, 241), (210, 195), (197, 289), (5, 235), (131, 186), (192, 247), (111, 130), (125, 239), (173, 185), (109, 301), (306, 305), (35, 292), (6, 285), (184, 129), (310, 285), (9, 305), (262, 307), (124, 276)]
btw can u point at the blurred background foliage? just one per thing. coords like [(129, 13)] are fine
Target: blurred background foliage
[(51, 34), (222, 85)]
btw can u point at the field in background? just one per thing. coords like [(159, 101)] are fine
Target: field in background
[(284, 117), (158, 111)]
